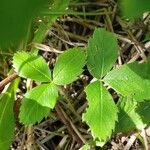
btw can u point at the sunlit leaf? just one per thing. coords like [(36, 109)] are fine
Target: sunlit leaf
[(37, 103), (102, 52), (101, 114), (31, 66), (32, 112), (45, 95), (131, 80), (69, 66)]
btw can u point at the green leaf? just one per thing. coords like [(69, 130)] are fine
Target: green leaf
[(134, 8), (31, 66), (143, 110), (32, 112), (16, 17), (131, 80), (102, 111), (37, 103), (45, 95), (128, 118), (68, 66), (7, 122), (101, 52)]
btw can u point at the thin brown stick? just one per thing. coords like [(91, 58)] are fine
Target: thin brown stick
[(7, 80), (66, 121)]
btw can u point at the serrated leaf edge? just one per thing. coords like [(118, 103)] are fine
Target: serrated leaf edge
[(29, 65)]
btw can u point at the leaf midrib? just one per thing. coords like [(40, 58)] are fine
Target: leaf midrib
[(36, 68)]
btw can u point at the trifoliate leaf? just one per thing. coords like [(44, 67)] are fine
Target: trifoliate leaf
[(31, 66), (102, 111), (134, 8), (143, 110), (68, 66), (7, 122), (131, 80), (128, 118), (37, 103), (101, 52), (45, 95)]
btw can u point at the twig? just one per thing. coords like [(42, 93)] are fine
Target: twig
[(23, 139), (143, 134), (66, 121), (7, 80), (130, 142), (46, 48), (77, 132), (29, 141), (69, 100)]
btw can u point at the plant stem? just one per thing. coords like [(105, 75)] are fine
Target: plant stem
[(7, 80), (47, 13)]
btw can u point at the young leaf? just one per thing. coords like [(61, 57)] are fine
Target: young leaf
[(143, 110), (128, 118), (7, 122), (131, 80), (31, 66), (102, 112), (32, 112), (134, 8), (37, 103), (68, 66), (101, 52), (45, 95)]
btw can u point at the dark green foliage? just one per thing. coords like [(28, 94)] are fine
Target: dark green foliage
[(16, 17)]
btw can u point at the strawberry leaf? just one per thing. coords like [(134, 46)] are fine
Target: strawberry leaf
[(102, 52), (101, 114), (31, 66), (131, 80), (37, 103), (69, 66), (32, 112), (45, 94), (128, 118)]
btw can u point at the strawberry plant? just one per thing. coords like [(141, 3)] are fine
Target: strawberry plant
[(38, 101), (130, 81), (105, 115)]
